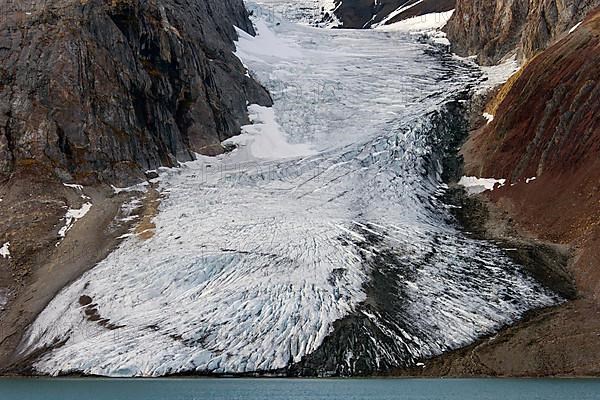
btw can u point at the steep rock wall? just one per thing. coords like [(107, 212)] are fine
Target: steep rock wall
[(101, 90), (490, 29)]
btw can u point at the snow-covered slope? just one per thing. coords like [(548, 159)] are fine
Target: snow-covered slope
[(320, 212)]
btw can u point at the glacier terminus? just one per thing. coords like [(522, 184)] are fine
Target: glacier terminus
[(322, 244)]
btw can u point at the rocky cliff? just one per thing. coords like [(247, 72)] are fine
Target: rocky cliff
[(366, 13), (101, 90), (490, 29)]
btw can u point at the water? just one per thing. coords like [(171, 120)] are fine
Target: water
[(257, 253), (283, 389)]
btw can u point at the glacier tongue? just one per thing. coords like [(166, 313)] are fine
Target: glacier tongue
[(258, 257)]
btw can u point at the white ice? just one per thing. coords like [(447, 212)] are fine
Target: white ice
[(475, 185), (306, 12)]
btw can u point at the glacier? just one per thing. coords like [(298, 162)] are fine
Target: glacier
[(321, 244)]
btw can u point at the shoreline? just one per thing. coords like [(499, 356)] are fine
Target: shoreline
[(295, 378)]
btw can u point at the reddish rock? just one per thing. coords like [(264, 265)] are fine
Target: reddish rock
[(548, 126)]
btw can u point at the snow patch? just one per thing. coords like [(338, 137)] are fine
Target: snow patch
[(78, 188), (327, 5), (573, 29), (5, 251), (4, 293), (533, 178), (475, 185), (398, 11), (140, 187), (74, 186), (264, 45), (498, 74), (264, 138), (422, 23), (72, 216), (489, 117)]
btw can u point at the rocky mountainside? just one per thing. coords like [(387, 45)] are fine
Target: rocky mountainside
[(101, 90), (490, 29), (367, 13)]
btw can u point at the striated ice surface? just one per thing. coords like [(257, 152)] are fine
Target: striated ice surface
[(331, 200), (308, 12)]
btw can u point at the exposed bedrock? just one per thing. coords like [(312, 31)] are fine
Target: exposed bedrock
[(491, 29), (102, 90)]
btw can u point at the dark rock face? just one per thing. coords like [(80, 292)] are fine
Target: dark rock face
[(365, 13), (490, 29), (101, 90), (355, 13)]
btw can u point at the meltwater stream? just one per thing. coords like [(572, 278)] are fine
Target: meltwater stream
[(319, 246)]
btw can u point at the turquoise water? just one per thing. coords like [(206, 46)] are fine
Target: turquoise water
[(283, 389)]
